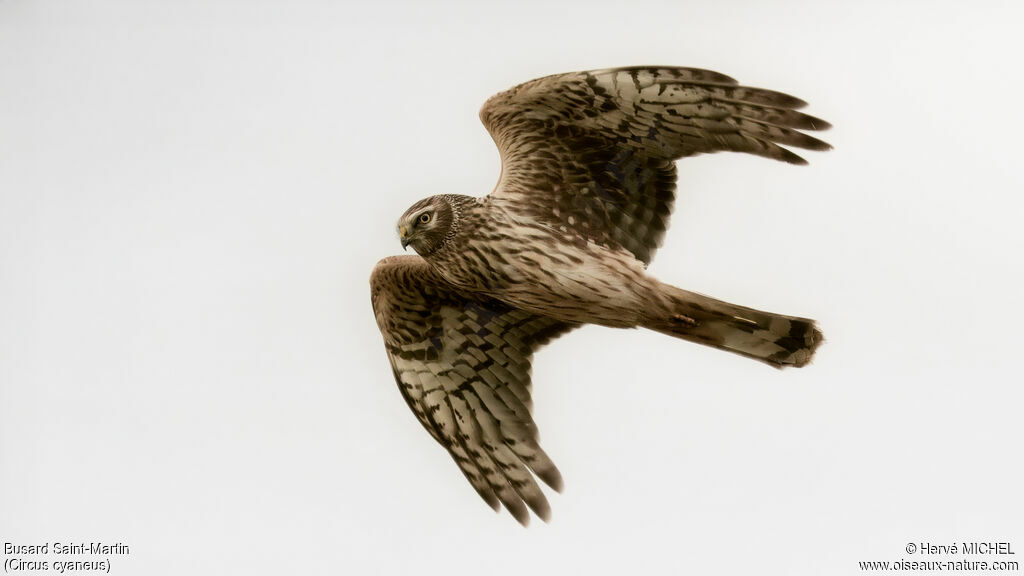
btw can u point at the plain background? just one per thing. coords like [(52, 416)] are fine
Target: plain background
[(193, 194)]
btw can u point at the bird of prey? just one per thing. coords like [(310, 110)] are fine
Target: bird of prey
[(586, 189)]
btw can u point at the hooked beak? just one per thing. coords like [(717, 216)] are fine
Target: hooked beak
[(405, 237)]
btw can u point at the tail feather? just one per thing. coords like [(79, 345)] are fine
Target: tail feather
[(774, 339)]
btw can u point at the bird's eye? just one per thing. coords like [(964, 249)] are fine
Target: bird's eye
[(424, 218)]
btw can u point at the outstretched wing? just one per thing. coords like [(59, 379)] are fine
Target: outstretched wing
[(462, 363), (594, 151)]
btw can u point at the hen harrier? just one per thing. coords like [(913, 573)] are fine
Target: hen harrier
[(587, 185)]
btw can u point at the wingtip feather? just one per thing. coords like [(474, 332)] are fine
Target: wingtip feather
[(790, 157)]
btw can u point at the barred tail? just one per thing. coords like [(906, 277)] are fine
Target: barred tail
[(774, 339)]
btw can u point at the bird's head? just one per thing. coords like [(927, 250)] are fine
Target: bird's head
[(428, 224)]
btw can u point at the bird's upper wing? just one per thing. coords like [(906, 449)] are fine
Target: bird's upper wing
[(594, 151), (462, 362)]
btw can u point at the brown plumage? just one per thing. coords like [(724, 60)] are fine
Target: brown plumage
[(586, 190)]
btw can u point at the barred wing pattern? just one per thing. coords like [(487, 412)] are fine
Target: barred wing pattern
[(462, 363), (594, 151)]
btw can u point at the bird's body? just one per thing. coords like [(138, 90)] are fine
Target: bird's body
[(536, 267), (587, 188)]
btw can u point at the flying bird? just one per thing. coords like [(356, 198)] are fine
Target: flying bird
[(584, 198)]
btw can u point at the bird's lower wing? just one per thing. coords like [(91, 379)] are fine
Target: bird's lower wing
[(462, 363)]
